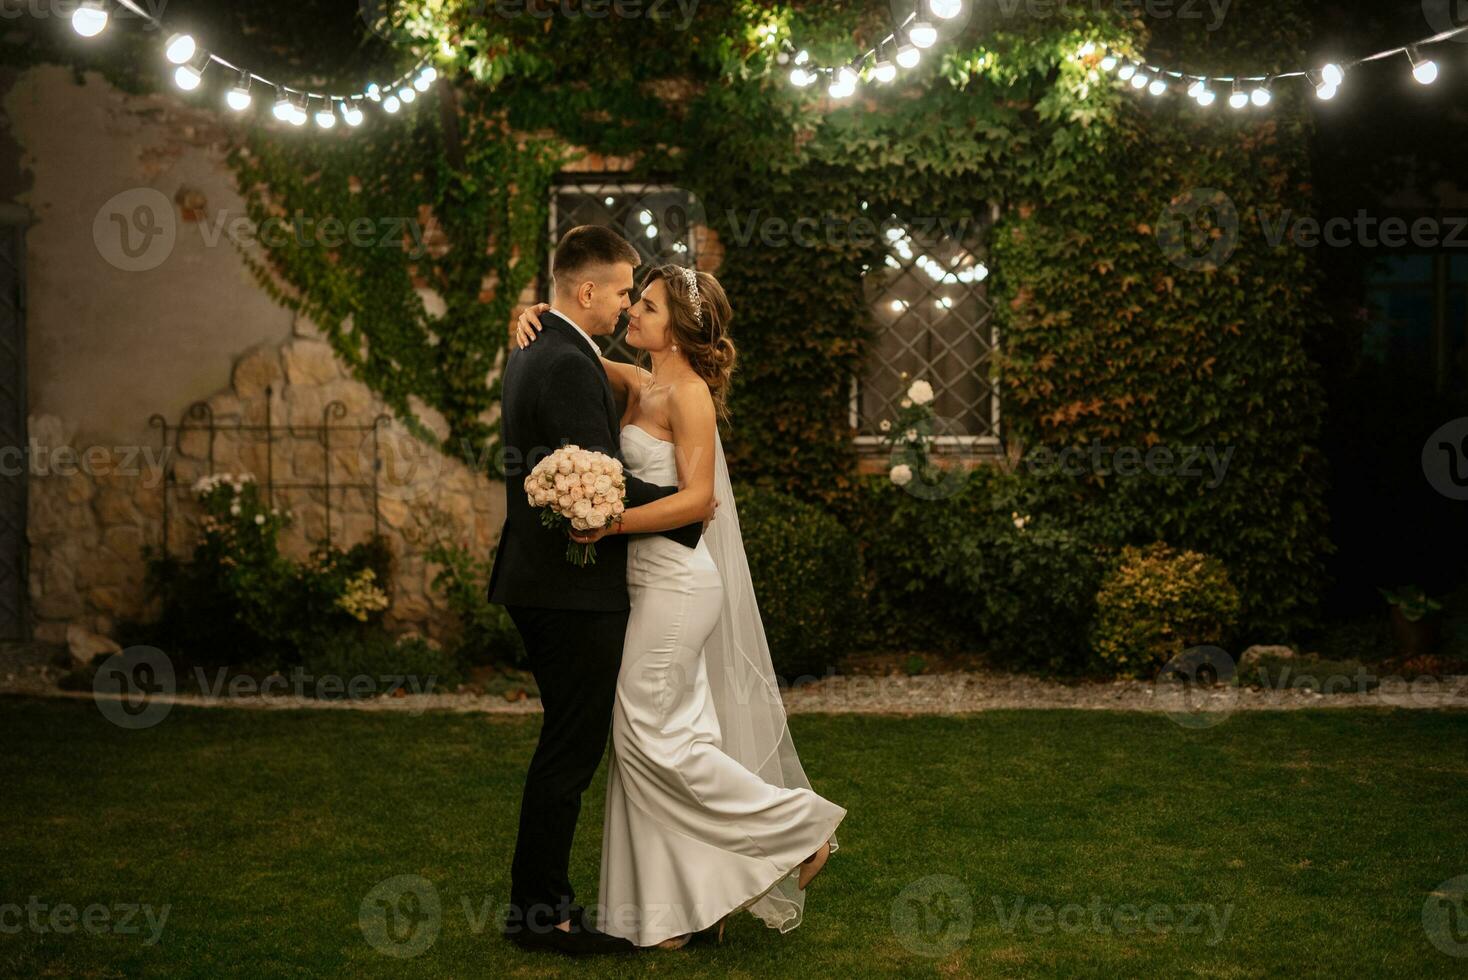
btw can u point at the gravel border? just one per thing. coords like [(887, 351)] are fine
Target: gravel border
[(930, 694)]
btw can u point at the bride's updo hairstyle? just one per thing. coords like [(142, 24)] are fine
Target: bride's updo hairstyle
[(701, 335)]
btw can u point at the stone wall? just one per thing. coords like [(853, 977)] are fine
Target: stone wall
[(93, 509)]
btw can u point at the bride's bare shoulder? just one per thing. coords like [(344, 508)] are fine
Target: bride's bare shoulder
[(692, 402)]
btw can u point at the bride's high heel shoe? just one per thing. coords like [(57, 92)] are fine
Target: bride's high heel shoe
[(812, 866)]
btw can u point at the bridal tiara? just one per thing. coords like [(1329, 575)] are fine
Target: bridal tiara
[(690, 279)]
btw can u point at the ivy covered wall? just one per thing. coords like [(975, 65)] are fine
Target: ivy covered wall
[(1105, 338)]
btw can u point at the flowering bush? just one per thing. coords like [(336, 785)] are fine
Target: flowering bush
[(909, 439), (1158, 602), (239, 600)]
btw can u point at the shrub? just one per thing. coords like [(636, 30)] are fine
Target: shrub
[(486, 632), (387, 662), (807, 579), (970, 571), (1156, 603), (237, 599)]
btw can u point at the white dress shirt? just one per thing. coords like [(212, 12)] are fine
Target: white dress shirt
[(594, 349)]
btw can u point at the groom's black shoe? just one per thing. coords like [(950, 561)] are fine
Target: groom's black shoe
[(580, 940)]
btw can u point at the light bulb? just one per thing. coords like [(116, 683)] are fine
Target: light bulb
[(884, 71), (1325, 92), (800, 78), (429, 73), (923, 34), (90, 19), (1126, 71), (1332, 75), (239, 97), (406, 94), (1195, 88), (1237, 99), (1157, 87), (1260, 97), (1140, 79), (374, 91), (180, 48), (1108, 62), (351, 113), (1206, 97), (187, 77), (298, 115), (1425, 71), (422, 82), (391, 104), (945, 9), (325, 118), (282, 108), (908, 56), (844, 85), (802, 57)]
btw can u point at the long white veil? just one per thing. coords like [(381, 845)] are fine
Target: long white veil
[(744, 688)]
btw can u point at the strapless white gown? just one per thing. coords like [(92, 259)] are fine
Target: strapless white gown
[(689, 834)]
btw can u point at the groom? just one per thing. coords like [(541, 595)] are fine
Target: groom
[(572, 619)]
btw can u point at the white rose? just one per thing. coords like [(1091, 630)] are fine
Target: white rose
[(907, 403), (901, 474), (595, 519), (920, 392), (581, 507), (563, 482), (259, 518), (565, 503), (911, 435), (578, 523), (885, 425), (564, 464), (581, 462), (603, 484), (618, 506), (588, 479)]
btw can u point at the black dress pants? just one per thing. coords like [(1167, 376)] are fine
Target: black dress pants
[(575, 656)]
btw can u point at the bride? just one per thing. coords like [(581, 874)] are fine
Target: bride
[(708, 810)]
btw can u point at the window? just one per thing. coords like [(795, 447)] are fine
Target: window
[(934, 322), (1418, 329), (660, 221)]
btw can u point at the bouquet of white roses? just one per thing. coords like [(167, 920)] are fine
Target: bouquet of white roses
[(580, 486)]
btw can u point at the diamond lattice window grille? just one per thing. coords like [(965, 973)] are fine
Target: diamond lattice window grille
[(660, 221), (934, 322)]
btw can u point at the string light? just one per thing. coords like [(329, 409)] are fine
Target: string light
[(908, 39), (1257, 90), (1424, 71), (239, 97), (180, 48), (89, 19)]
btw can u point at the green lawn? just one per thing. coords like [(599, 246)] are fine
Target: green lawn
[(1317, 835)]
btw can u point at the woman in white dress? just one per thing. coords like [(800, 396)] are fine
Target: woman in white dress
[(708, 810)]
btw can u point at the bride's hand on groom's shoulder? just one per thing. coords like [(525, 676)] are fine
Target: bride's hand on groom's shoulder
[(528, 326)]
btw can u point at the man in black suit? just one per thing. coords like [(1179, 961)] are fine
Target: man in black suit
[(571, 618)]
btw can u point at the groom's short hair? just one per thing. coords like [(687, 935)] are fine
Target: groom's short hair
[(589, 245)]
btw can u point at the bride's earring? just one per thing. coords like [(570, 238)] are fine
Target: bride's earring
[(675, 348)]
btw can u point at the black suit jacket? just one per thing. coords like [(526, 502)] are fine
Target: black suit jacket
[(556, 392)]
